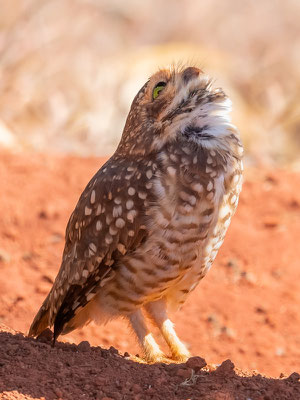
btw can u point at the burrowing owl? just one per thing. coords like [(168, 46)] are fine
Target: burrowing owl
[(149, 224)]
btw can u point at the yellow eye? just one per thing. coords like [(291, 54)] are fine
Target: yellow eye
[(158, 88)]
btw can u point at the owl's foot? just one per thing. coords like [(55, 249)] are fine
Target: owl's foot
[(151, 349), (181, 356), (153, 354), (178, 349), (156, 358)]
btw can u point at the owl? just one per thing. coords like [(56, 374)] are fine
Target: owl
[(149, 224)]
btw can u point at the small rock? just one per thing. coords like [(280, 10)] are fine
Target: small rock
[(112, 350), (231, 263), (47, 278), (226, 368), (45, 336), (225, 330), (270, 222), (196, 363), (43, 214), (260, 310), (84, 346), (294, 377), (249, 277), (271, 179), (295, 203)]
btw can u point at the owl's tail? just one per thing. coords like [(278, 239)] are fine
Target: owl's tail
[(41, 320)]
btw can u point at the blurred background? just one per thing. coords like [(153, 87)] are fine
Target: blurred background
[(69, 69)]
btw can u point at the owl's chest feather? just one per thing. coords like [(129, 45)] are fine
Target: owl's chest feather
[(190, 220), (186, 221), (186, 214)]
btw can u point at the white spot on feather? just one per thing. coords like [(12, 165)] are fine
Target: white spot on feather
[(108, 238), (117, 211), (98, 225), (210, 186), (121, 248), (225, 210), (129, 204), (120, 223), (131, 215), (197, 187), (112, 230), (131, 191), (171, 171), (87, 210), (93, 197), (142, 195), (149, 174), (85, 273), (98, 211), (233, 199), (93, 247)]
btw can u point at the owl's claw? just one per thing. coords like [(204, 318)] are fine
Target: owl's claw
[(157, 358), (181, 357)]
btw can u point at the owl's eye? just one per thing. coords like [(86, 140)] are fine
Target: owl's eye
[(157, 89)]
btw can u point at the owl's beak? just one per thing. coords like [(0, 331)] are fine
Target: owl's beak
[(196, 131)]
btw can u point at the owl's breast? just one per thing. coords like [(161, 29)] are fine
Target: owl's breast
[(185, 225), (193, 217)]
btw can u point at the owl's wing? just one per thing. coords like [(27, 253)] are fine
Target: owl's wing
[(107, 223)]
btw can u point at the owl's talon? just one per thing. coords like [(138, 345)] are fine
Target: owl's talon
[(181, 357), (156, 358)]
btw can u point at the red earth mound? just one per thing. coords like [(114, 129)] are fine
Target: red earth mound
[(32, 369), (246, 308)]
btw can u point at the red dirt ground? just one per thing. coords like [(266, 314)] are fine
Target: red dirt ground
[(245, 309)]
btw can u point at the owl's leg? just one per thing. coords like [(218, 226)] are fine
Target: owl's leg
[(157, 312), (149, 345)]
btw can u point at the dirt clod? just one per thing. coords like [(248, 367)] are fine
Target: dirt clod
[(84, 346), (196, 363), (45, 336), (226, 368)]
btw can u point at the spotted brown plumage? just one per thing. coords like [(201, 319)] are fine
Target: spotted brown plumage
[(149, 224)]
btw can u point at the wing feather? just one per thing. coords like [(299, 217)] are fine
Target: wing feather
[(108, 222)]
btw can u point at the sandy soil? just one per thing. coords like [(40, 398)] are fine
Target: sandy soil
[(245, 310)]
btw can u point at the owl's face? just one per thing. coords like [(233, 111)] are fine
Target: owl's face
[(177, 105)]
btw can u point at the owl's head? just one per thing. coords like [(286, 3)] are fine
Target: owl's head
[(177, 104)]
